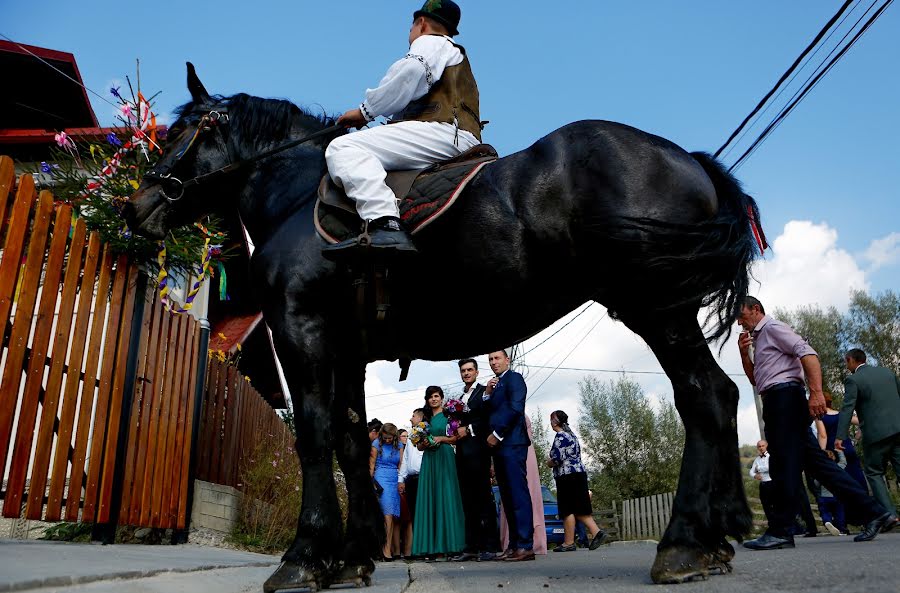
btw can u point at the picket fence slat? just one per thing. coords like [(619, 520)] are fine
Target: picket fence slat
[(187, 433), (43, 448), (70, 394), (162, 432), (101, 417), (40, 347), (171, 501), (86, 407), (7, 179), (131, 453), (18, 343)]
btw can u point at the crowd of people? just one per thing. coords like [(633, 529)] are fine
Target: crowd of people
[(435, 480), (808, 436)]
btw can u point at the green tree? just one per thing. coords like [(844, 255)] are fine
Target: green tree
[(874, 325), (631, 450), (541, 440)]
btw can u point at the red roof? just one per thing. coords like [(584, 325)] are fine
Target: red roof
[(228, 332)]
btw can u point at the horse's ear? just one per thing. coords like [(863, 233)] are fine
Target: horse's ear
[(198, 91)]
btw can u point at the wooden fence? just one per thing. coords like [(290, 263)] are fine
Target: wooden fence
[(67, 306), (236, 421), (648, 517)]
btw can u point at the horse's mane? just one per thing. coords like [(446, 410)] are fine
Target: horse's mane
[(256, 121)]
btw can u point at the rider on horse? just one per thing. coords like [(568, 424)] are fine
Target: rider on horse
[(432, 98)]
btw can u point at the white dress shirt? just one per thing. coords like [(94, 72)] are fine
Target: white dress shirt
[(410, 463), (761, 466)]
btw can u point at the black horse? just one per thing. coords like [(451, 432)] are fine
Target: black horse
[(593, 211)]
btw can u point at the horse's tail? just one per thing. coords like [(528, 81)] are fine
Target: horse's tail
[(735, 240), (705, 264)]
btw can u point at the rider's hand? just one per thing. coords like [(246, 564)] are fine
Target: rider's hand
[(352, 119)]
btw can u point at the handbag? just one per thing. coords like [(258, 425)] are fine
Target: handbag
[(379, 489)]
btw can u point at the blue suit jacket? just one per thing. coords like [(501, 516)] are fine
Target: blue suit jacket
[(507, 410)]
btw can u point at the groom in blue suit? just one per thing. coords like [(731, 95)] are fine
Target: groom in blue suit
[(509, 442)]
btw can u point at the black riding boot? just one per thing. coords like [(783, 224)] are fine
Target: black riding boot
[(384, 234)]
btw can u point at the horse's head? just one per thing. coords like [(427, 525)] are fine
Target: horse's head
[(169, 194)]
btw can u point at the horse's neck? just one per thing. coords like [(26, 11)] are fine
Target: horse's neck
[(279, 186)]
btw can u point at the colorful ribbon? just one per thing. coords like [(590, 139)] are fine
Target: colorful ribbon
[(162, 278)]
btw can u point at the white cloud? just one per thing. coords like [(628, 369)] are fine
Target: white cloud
[(807, 268), (883, 252)]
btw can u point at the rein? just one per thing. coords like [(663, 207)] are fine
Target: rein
[(210, 120)]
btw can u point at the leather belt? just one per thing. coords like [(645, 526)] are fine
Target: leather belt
[(780, 386)]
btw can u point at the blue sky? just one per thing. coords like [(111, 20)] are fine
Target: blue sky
[(826, 181)]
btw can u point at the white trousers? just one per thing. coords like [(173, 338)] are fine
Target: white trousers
[(358, 161)]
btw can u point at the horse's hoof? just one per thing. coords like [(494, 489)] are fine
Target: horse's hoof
[(291, 577), (678, 565), (358, 575), (722, 557)]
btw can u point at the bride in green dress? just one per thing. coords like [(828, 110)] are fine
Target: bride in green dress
[(439, 525)]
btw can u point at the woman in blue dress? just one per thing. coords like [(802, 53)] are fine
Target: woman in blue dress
[(384, 464)]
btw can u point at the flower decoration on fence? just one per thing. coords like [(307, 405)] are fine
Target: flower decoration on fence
[(97, 177), (456, 412), (419, 434)]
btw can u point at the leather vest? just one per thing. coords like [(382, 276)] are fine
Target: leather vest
[(453, 99)]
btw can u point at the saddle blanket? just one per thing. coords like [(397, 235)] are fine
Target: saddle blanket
[(422, 195)]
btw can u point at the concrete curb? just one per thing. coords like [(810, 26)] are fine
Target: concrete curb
[(67, 580)]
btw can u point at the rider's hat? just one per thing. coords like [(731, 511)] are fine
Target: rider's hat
[(446, 12)]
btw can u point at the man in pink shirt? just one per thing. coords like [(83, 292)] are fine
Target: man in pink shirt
[(778, 362)]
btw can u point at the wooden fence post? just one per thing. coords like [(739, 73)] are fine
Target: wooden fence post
[(106, 532), (180, 536)]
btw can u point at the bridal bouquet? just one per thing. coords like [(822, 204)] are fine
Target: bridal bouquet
[(419, 433), (456, 412)]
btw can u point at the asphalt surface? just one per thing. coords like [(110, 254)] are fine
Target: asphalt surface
[(824, 563)]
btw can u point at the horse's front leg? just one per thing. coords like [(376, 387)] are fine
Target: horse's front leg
[(312, 557), (365, 532), (709, 503)]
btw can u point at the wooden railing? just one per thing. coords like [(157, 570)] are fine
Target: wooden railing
[(67, 305), (236, 420), (647, 517)]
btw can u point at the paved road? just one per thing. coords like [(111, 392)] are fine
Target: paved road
[(827, 564), (822, 564)]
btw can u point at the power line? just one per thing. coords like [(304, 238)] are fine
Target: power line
[(545, 340), (616, 371), (577, 344), (784, 87), (787, 73), (805, 91)]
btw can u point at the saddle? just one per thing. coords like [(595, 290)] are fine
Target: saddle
[(422, 195)]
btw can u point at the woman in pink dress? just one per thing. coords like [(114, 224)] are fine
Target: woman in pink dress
[(537, 501)]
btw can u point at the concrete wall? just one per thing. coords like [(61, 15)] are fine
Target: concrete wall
[(215, 506)]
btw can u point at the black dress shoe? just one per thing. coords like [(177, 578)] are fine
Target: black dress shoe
[(811, 534), (767, 541), (464, 557), (485, 557), (873, 527)]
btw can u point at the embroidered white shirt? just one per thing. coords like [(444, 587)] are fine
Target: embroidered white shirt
[(412, 76)]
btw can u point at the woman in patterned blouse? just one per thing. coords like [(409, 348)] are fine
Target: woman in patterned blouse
[(571, 484)]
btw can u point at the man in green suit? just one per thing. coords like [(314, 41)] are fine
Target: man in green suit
[(875, 394)]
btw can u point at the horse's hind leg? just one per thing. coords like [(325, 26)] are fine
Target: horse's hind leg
[(311, 557), (710, 502), (365, 534)]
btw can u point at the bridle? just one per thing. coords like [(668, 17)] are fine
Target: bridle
[(215, 120)]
